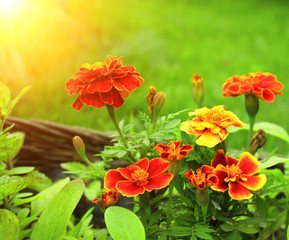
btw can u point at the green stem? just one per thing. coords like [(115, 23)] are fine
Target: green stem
[(1, 125), (251, 122), (110, 110), (204, 210), (171, 188), (145, 201)]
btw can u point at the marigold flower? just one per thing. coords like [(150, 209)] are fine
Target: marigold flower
[(210, 125), (173, 152), (236, 175), (262, 85), (203, 179), (142, 176), (103, 83), (107, 199)]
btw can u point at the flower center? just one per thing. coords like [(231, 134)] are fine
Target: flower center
[(234, 173), (140, 176)]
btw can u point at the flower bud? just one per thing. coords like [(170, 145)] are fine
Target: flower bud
[(257, 142), (198, 91), (252, 105), (150, 98), (79, 146), (203, 197), (158, 103)]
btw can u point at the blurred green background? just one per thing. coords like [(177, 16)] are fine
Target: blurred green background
[(43, 43)]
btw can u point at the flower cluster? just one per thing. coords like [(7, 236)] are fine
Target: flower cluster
[(103, 83), (263, 85), (210, 125), (227, 173)]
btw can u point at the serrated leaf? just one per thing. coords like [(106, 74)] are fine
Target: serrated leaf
[(180, 231)]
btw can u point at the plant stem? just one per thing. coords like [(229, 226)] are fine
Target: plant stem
[(171, 188), (110, 110), (145, 201), (204, 210), (251, 122)]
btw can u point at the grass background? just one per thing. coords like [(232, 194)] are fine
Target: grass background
[(46, 42)]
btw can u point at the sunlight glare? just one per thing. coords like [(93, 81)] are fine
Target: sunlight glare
[(7, 6)]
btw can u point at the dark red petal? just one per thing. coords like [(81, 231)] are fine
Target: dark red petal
[(238, 192), (157, 166), (129, 189), (111, 178), (187, 148), (221, 175), (220, 158), (206, 168), (100, 85), (160, 181), (143, 164), (91, 99), (231, 161), (254, 183), (248, 164), (164, 155), (77, 105), (212, 179), (177, 144)]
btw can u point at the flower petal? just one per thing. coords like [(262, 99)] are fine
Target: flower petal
[(254, 183), (248, 164), (143, 164), (111, 178), (91, 99), (157, 166), (161, 148), (77, 105), (100, 85), (160, 181), (238, 192), (208, 139), (221, 174), (129, 189), (220, 158), (125, 172)]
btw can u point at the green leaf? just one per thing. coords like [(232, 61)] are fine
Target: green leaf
[(93, 190), (10, 185), (10, 145), (48, 194), (9, 225), (288, 233), (269, 128), (17, 202), (123, 224), (180, 231), (272, 162), (58, 212), (102, 236), (227, 227), (19, 170)]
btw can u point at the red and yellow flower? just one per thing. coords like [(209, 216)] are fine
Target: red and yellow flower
[(103, 83), (210, 125), (173, 152), (142, 176), (107, 199), (237, 176), (203, 179), (262, 85)]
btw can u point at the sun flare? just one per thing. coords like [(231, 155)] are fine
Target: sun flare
[(8, 6)]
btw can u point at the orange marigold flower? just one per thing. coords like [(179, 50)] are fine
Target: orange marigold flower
[(103, 83), (173, 152), (142, 176), (210, 125), (262, 85), (236, 175), (109, 198), (203, 179)]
